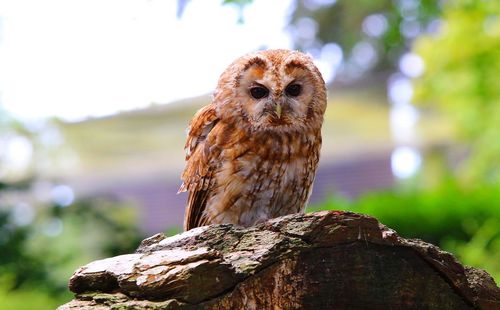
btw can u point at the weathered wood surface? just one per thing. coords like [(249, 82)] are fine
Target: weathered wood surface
[(323, 260)]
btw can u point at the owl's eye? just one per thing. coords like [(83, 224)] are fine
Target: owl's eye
[(293, 90), (259, 92)]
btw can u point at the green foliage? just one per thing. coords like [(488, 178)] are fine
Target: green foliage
[(37, 260), (461, 78), (29, 299), (463, 220), (483, 249), (17, 266)]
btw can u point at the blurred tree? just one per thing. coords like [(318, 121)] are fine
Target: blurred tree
[(39, 256), (388, 27), (462, 79), (17, 266), (43, 241)]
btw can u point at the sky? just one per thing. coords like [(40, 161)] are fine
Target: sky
[(78, 58)]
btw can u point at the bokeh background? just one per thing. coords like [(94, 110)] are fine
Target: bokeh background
[(95, 97)]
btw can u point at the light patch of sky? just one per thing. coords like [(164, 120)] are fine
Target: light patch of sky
[(75, 58)]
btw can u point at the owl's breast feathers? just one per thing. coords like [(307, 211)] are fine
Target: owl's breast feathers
[(231, 170)]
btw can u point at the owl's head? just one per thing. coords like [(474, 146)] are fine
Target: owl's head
[(273, 89)]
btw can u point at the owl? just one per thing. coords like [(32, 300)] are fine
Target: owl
[(252, 154)]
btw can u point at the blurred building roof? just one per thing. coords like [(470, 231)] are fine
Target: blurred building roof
[(161, 208)]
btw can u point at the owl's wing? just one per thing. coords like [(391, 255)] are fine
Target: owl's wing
[(197, 176)]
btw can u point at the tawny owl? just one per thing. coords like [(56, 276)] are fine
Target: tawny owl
[(252, 153)]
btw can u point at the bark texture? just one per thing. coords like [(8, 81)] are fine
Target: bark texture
[(323, 260)]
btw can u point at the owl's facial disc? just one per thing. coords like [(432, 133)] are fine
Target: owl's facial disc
[(275, 94), (272, 104)]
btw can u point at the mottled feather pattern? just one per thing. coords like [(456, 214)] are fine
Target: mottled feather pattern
[(247, 159)]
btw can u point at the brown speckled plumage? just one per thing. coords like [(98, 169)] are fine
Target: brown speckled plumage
[(249, 160)]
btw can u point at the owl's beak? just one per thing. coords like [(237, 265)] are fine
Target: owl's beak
[(278, 110)]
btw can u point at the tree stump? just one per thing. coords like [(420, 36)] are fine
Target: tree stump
[(322, 260)]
